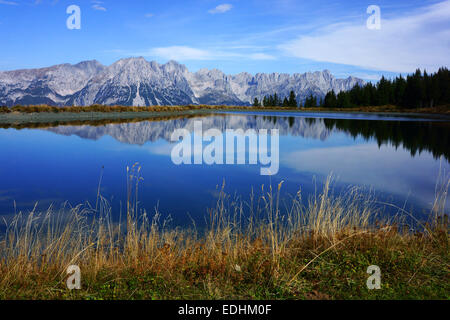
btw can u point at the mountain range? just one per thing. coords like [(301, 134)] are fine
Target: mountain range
[(138, 82), (142, 132)]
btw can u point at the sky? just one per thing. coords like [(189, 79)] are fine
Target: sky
[(286, 36)]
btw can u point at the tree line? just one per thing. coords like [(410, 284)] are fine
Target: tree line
[(417, 90), (276, 101)]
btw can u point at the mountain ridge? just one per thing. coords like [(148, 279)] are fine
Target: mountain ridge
[(136, 81), (142, 132)]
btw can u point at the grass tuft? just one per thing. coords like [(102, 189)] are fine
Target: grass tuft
[(262, 248)]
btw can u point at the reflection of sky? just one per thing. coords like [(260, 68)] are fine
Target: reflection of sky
[(38, 165), (385, 168)]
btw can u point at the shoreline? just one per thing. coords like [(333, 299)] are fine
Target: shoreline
[(20, 119)]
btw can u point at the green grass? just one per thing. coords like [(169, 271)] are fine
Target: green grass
[(275, 250)]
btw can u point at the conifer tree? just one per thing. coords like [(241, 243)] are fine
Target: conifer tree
[(292, 100)]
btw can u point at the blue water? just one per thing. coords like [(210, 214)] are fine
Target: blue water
[(400, 160)]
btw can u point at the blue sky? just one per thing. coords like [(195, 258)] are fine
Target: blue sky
[(232, 35)]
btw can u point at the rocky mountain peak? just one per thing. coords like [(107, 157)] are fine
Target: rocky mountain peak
[(136, 81)]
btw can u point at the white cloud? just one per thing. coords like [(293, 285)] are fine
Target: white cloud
[(9, 3), (98, 5), (416, 40), (221, 8), (181, 53), (149, 15), (261, 56)]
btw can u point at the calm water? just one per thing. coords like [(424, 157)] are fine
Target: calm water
[(399, 158)]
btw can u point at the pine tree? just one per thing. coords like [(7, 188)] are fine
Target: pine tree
[(330, 100), (443, 79), (415, 91), (270, 101), (399, 90), (383, 92), (343, 100), (292, 100), (275, 102), (307, 102), (434, 92), (311, 101)]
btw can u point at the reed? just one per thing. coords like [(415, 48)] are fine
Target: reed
[(261, 248)]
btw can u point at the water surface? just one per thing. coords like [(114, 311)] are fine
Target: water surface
[(399, 157)]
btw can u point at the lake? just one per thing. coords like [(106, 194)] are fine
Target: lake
[(399, 158)]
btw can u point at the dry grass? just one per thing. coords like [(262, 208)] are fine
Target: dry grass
[(107, 109), (260, 248), (444, 109)]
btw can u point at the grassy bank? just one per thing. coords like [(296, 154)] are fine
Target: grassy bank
[(108, 109), (94, 120), (276, 250), (99, 109), (46, 116)]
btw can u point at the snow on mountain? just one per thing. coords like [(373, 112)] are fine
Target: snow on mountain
[(136, 81), (46, 85)]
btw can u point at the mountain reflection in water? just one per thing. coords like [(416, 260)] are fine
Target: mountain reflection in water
[(399, 159)]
